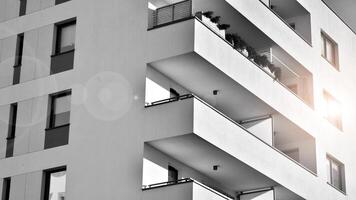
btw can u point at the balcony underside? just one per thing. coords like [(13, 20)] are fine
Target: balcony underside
[(195, 134)]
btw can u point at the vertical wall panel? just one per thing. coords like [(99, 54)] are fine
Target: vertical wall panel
[(12, 9), (33, 6), (44, 51), (24, 112), (8, 51), (2, 10), (38, 123), (29, 56), (47, 3), (18, 187), (33, 186), (4, 120)]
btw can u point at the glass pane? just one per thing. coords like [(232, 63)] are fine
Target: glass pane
[(330, 51), (62, 104), (323, 46), (67, 38), (336, 181), (57, 187), (61, 119), (328, 171)]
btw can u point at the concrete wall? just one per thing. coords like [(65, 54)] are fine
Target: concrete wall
[(4, 126), (9, 9), (176, 192), (31, 125), (7, 60), (266, 195), (38, 44)]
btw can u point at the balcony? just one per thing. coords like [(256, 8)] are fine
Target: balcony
[(294, 15), (240, 34), (192, 134)]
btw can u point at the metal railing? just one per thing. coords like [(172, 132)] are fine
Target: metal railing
[(163, 101), (170, 13)]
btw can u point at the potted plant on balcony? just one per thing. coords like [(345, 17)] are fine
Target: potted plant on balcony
[(206, 16), (215, 19), (222, 29), (275, 71), (230, 38), (251, 53), (262, 60)]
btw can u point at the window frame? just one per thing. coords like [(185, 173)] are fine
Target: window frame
[(331, 160), (59, 27), (325, 38), (52, 105), (46, 180)]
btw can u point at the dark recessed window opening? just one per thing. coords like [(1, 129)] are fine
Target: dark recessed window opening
[(23, 5), (55, 184), (6, 189), (172, 174), (18, 58), (11, 130), (329, 50), (335, 173)]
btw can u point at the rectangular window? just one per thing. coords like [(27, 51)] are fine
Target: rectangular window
[(18, 58), (11, 130), (335, 173), (60, 109), (172, 174), (65, 37), (329, 50), (6, 189), (332, 110), (55, 184), (23, 5)]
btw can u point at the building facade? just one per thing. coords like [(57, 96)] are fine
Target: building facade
[(170, 99)]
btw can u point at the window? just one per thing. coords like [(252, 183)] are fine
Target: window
[(18, 58), (11, 130), (55, 184), (65, 37), (172, 174), (332, 110), (329, 50), (335, 173), (23, 5), (60, 109), (6, 189)]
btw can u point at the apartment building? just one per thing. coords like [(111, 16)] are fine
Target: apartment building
[(171, 99)]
